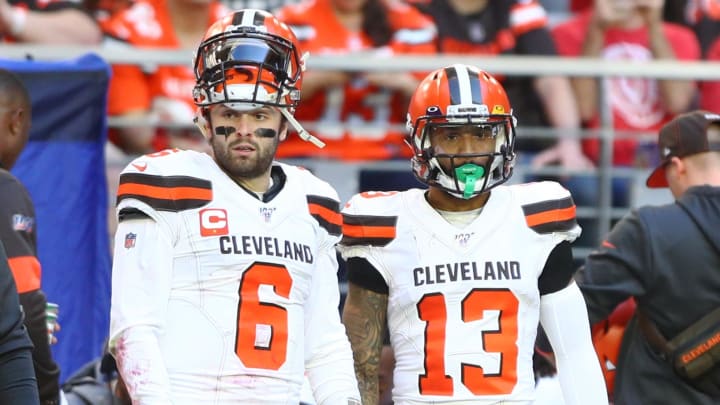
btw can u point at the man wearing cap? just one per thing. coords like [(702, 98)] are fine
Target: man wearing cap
[(666, 257)]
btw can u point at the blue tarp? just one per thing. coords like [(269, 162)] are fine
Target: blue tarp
[(63, 168)]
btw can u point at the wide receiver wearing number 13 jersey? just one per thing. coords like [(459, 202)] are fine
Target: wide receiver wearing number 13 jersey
[(464, 287)]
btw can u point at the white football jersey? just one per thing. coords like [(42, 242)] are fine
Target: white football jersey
[(252, 294), (463, 305)]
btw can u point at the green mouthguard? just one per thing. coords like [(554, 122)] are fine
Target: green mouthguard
[(468, 174)]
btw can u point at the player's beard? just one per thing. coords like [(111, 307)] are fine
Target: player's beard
[(240, 167)]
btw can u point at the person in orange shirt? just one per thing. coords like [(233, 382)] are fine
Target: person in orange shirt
[(161, 93), (355, 113)]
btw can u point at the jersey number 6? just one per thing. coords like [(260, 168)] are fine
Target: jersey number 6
[(432, 310), (262, 328)]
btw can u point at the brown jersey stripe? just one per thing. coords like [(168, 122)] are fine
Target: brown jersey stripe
[(551, 215), (166, 193), (555, 226), (548, 205), (540, 218), (368, 230), (327, 212), (26, 272), (164, 181)]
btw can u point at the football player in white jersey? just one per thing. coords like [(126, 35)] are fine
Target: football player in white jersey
[(463, 272), (224, 287)]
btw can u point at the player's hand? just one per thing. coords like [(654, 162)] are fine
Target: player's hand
[(650, 10), (403, 82), (567, 153), (329, 78), (608, 13)]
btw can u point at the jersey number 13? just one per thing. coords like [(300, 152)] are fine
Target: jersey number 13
[(433, 310)]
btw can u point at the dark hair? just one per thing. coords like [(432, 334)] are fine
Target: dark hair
[(11, 84), (376, 23)]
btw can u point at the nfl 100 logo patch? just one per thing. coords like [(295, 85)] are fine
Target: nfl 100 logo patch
[(130, 240), (463, 238), (23, 223), (266, 213)]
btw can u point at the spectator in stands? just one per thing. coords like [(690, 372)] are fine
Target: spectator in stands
[(47, 21), (704, 18), (620, 30), (101, 10), (515, 28), (159, 93), (626, 31), (268, 5), (354, 112), (18, 231), (17, 381)]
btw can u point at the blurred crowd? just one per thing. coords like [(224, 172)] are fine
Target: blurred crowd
[(361, 115)]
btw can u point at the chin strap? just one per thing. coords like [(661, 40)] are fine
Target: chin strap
[(304, 135), (469, 174)]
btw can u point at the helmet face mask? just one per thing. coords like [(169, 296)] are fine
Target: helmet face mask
[(248, 59), (462, 99)]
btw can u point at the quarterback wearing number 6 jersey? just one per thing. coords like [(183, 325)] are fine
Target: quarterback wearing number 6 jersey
[(225, 285), (463, 272)]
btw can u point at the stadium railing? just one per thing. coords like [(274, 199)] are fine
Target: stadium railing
[(506, 65)]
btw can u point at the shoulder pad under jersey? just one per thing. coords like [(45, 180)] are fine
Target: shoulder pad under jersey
[(165, 181), (548, 206), (370, 218)]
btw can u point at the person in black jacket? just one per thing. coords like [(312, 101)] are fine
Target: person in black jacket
[(666, 257), (17, 380), (18, 231)]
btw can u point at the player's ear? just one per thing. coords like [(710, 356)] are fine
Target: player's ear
[(201, 122), (284, 126)]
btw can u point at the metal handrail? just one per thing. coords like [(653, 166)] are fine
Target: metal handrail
[(504, 64)]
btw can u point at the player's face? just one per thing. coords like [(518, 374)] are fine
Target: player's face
[(463, 140), (244, 142)]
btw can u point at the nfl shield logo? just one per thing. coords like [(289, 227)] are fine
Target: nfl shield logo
[(130, 240)]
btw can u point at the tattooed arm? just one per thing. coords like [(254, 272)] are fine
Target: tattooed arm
[(364, 316)]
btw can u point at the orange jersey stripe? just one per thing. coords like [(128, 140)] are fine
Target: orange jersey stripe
[(26, 272), (545, 217), (359, 231), (325, 213), (165, 193)]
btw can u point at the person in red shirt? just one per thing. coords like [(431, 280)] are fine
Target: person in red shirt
[(358, 116), (47, 21), (622, 30), (161, 93)]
